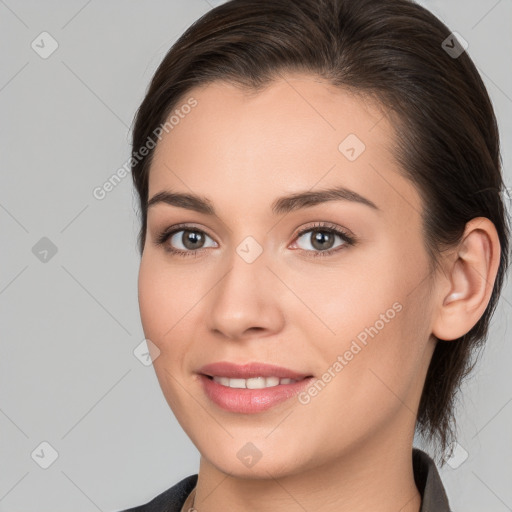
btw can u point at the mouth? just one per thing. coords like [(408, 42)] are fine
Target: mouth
[(250, 388), (255, 370), (259, 382)]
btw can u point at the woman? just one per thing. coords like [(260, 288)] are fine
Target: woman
[(323, 245)]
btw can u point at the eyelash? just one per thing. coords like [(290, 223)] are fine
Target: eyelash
[(349, 240)]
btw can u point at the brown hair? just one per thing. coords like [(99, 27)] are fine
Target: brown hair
[(447, 140)]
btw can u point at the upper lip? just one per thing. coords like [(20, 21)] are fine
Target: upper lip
[(246, 371)]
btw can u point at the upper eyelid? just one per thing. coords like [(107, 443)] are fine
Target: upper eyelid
[(188, 227)]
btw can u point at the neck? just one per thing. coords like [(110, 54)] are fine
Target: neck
[(372, 477)]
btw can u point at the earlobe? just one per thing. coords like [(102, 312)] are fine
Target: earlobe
[(471, 278)]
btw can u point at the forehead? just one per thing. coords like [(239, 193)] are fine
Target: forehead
[(297, 133)]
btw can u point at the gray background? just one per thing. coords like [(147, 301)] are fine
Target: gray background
[(70, 324)]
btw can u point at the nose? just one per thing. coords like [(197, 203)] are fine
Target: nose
[(245, 300)]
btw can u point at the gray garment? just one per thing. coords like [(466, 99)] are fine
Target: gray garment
[(426, 476), (428, 482)]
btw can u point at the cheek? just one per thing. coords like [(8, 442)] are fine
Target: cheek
[(352, 296), (164, 300), (377, 312), (169, 304), (373, 287), (159, 302), (161, 309), (147, 290)]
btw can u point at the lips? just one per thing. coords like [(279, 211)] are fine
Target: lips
[(250, 399), (250, 370)]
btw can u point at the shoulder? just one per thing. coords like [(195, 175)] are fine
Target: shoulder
[(171, 500)]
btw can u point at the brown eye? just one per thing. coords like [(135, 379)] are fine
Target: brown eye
[(183, 240), (322, 238), (188, 240), (191, 239)]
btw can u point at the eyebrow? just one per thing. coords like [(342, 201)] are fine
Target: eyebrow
[(282, 205)]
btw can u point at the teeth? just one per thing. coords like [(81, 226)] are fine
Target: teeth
[(253, 383)]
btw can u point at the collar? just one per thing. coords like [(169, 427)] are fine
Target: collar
[(429, 484)]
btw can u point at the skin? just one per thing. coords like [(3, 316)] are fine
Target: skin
[(349, 448)]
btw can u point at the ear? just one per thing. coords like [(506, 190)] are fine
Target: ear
[(470, 273)]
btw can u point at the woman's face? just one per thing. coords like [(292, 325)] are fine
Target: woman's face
[(246, 287)]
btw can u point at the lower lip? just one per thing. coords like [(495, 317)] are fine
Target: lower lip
[(249, 401)]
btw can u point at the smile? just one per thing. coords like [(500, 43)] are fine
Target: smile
[(254, 382)]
